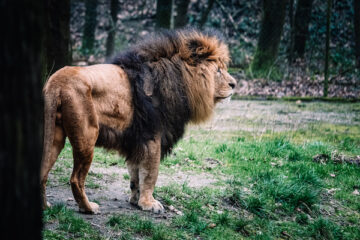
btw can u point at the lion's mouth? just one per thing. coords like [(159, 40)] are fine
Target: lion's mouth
[(221, 98)]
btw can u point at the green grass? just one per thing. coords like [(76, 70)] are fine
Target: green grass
[(134, 225), (69, 226), (268, 185)]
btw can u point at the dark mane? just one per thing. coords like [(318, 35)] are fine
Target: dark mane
[(159, 96)]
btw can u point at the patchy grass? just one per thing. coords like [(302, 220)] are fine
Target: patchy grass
[(69, 226), (134, 225), (269, 186)]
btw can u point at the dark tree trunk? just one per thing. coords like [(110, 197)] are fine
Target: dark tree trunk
[(270, 34), (327, 47), (21, 118), (110, 41), (357, 31), (90, 26), (163, 13), (292, 33), (205, 14), (57, 44), (302, 20), (181, 18)]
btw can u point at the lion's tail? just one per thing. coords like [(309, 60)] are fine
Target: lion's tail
[(51, 103)]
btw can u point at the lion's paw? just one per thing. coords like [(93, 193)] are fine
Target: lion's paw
[(154, 206), (95, 209), (134, 200)]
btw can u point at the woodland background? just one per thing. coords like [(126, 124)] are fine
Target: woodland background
[(278, 47)]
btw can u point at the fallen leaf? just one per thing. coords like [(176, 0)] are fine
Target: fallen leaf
[(178, 212), (285, 234), (212, 225), (332, 190)]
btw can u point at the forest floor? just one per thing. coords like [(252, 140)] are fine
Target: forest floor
[(257, 170), (297, 83)]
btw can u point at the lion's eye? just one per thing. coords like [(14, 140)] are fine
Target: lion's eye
[(219, 70)]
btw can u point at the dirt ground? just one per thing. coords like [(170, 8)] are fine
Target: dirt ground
[(252, 116)]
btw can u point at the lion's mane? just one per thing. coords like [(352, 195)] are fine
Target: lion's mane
[(162, 72)]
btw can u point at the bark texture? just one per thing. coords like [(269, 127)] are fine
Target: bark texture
[(57, 52), (357, 31), (270, 34), (90, 26), (110, 41), (163, 13), (301, 31), (21, 118), (205, 14), (181, 18)]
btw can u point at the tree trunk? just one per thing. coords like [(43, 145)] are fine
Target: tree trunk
[(357, 31), (292, 33), (163, 13), (110, 41), (21, 118), (181, 18), (327, 47), (57, 44), (205, 14), (302, 20), (270, 34), (90, 26)]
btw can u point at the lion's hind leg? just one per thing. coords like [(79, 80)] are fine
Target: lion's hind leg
[(82, 162), (81, 127), (50, 159)]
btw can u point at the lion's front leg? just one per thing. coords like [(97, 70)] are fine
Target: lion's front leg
[(133, 169), (148, 174)]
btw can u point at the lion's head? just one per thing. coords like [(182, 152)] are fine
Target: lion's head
[(224, 84), (206, 57)]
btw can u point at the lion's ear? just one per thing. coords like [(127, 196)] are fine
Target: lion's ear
[(198, 51)]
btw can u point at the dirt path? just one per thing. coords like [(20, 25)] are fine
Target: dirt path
[(114, 191)]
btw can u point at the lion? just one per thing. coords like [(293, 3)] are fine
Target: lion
[(139, 105)]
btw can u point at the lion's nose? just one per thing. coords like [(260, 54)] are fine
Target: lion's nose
[(232, 85)]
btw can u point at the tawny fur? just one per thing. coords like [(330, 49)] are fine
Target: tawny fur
[(139, 106)]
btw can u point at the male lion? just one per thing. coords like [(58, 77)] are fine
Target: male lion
[(138, 105)]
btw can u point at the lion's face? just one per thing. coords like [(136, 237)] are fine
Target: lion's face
[(224, 84)]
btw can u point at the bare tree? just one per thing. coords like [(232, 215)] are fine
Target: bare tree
[(327, 47), (57, 54), (301, 27), (164, 13), (110, 41), (20, 122), (357, 31), (270, 34), (181, 18), (90, 26)]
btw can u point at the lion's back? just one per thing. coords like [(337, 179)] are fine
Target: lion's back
[(104, 87)]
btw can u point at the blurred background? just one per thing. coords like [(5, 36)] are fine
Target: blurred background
[(278, 47)]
